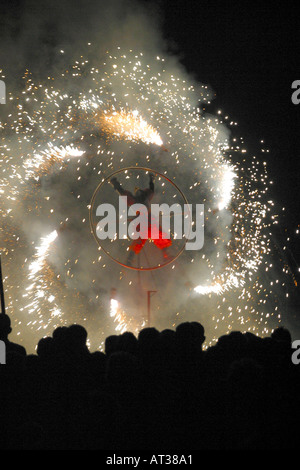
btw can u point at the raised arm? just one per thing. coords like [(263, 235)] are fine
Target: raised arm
[(118, 187), (123, 192), (151, 183)]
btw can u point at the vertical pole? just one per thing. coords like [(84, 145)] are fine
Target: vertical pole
[(148, 307), (1, 289), (149, 292), (140, 294)]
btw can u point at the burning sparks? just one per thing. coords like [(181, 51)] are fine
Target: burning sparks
[(226, 187), (55, 148), (116, 314), (39, 286), (41, 254), (130, 126)]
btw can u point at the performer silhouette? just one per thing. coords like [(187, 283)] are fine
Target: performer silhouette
[(144, 196)]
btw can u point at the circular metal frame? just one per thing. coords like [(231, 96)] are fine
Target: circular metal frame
[(94, 232)]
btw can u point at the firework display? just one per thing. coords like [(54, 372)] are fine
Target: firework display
[(62, 138)]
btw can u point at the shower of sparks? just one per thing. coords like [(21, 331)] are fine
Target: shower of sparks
[(131, 126), (52, 132), (120, 318), (116, 314), (39, 285), (227, 187), (41, 254), (41, 163)]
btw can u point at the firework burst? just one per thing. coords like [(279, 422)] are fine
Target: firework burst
[(56, 147)]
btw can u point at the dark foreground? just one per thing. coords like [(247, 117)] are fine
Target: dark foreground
[(160, 391)]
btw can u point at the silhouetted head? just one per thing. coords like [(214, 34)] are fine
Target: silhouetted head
[(167, 335), (148, 336), (252, 338), (60, 339), (127, 342), (148, 343), (167, 341), (198, 332), (234, 343), (98, 361), (282, 334), (190, 335), (111, 344), (59, 334), (45, 348), (77, 335), (5, 327)]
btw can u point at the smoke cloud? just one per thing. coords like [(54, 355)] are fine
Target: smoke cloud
[(46, 39)]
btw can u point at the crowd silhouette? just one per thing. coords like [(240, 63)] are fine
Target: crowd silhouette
[(158, 391)]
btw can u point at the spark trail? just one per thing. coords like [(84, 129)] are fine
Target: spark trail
[(63, 137)]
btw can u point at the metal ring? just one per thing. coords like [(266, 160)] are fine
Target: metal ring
[(97, 239)]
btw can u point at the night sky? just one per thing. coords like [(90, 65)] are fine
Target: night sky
[(250, 57)]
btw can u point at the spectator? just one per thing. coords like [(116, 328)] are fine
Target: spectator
[(5, 330)]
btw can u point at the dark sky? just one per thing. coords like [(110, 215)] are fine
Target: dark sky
[(250, 56)]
